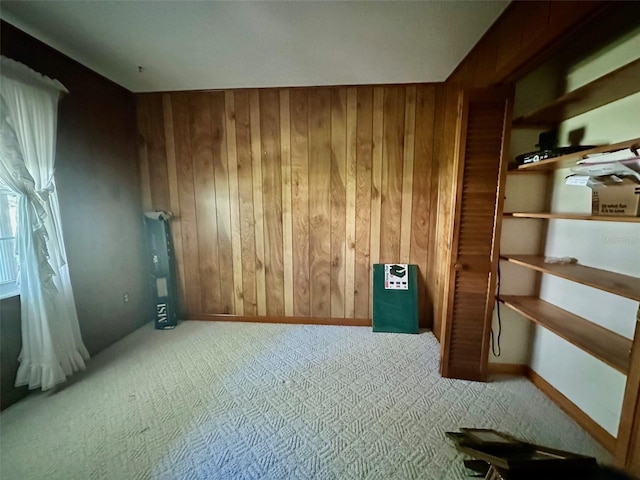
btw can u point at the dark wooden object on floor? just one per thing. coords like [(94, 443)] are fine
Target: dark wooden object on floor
[(511, 459)]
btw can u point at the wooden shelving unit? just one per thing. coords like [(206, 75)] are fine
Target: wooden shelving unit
[(616, 283), (572, 216), (570, 159), (617, 351), (611, 87), (611, 348)]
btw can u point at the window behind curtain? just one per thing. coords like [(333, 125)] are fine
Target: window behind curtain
[(8, 264)]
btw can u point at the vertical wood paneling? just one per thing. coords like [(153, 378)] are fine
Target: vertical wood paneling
[(174, 195), (223, 201), (234, 207), (517, 40), (320, 201), (392, 166), (509, 38), (258, 211), (285, 197), (407, 173), (188, 221), (435, 254), (421, 220), (350, 207), (156, 153), (287, 226), (209, 235), (364, 225), (272, 199), (299, 103), (338, 198), (245, 199), (446, 115), (376, 181)]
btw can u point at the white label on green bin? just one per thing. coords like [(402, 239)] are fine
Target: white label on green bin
[(396, 276)]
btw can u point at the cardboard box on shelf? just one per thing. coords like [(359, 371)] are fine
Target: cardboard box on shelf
[(621, 198)]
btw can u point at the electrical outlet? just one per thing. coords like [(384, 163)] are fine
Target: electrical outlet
[(125, 298)]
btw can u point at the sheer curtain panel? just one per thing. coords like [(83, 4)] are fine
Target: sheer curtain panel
[(52, 346)]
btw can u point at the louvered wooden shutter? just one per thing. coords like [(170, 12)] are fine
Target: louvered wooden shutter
[(482, 139)]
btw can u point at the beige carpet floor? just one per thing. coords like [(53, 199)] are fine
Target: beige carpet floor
[(260, 401)]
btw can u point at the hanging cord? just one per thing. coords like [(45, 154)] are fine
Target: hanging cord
[(493, 344)]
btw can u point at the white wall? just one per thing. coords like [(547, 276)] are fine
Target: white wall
[(523, 193), (593, 386)]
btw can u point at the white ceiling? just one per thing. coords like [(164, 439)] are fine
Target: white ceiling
[(191, 45)]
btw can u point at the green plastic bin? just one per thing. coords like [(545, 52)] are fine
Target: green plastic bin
[(395, 306)]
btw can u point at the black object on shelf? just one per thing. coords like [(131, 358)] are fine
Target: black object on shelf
[(539, 155), (547, 144)]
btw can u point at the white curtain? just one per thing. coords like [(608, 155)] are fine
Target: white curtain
[(52, 347)]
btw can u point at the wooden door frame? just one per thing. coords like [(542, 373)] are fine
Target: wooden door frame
[(462, 113), (628, 438)]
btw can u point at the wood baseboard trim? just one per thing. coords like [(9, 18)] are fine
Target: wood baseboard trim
[(507, 369), (345, 322), (607, 440)]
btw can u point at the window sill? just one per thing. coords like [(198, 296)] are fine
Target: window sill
[(8, 290)]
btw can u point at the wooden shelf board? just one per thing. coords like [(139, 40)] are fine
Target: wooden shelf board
[(570, 159), (573, 216), (611, 348), (619, 284), (539, 171), (610, 87)]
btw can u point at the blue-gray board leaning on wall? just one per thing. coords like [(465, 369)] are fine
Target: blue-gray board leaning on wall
[(162, 266)]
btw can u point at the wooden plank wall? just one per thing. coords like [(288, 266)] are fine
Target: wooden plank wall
[(521, 37), (444, 198), (285, 197)]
